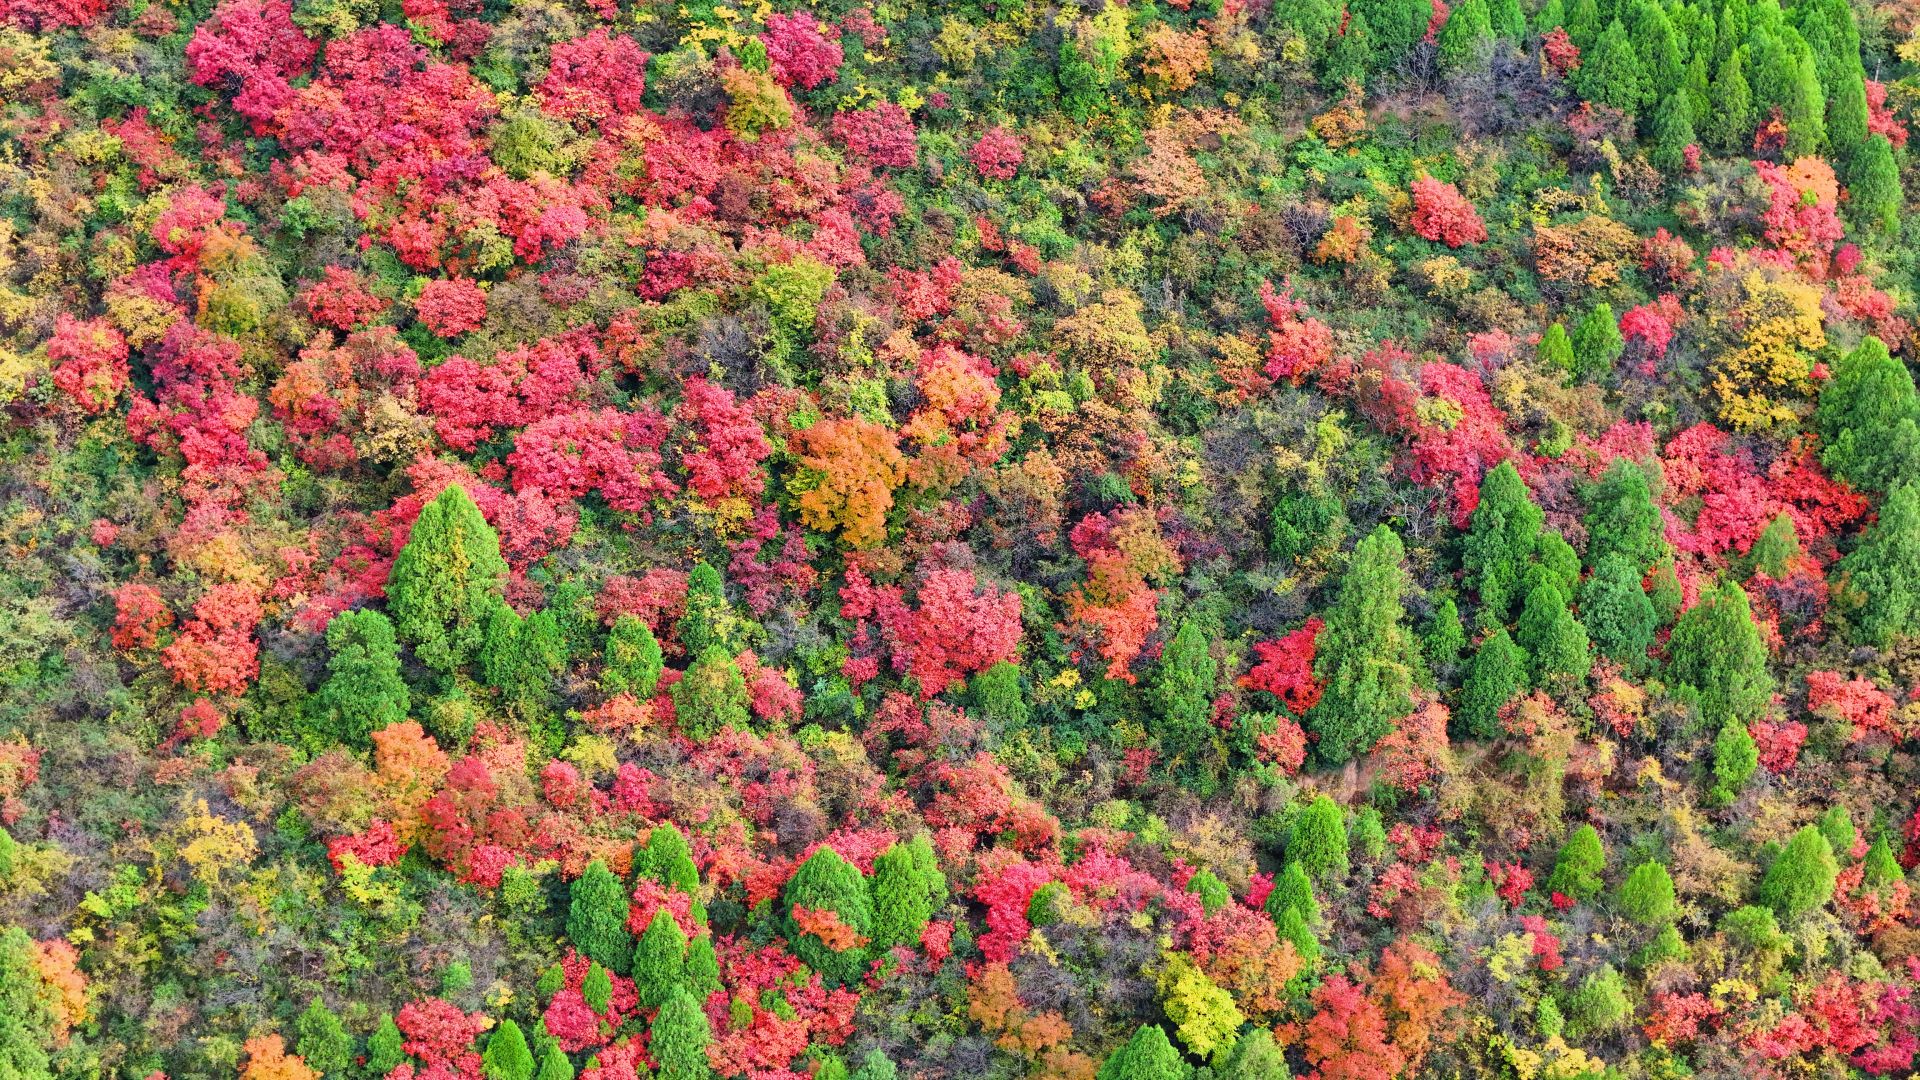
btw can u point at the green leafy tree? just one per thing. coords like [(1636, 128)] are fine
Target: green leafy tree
[(1302, 522), (1801, 877), (1716, 649), (1149, 1055), (1646, 896), (908, 887), (632, 659), (678, 1038), (597, 918), (1597, 342), (1502, 537), (363, 692), (1577, 869), (1352, 56), (1866, 418), (711, 696), (1255, 1056), (1556, 644), (876, 1066), (1318, 841), (1617, 612), (827, 882), (446, 581), (1735, 757), (659, 960), (1600, 1005), (1883, 574), (1498, 675), (322, 1041), (507, 1056), (1366, 653)]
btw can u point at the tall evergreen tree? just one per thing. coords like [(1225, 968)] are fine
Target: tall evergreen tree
[(1366, 654), (1498, 675), (1577, 869), (1467, 35), (876, 1066), (1618, 613), (446, 581), (386, 1047), (1623, 519), (1597, 342), (711, 696), (659, 960), (1735, 757), (827, 882), (708, 620), (1646, 896), (1146, 1056), (1847, 117), (554, 1064), (1502, 536), (678, 1038), (1610, 73), (1866, 418), (1672, 132), (1730, 121), (667, 859), (507, 1056), (632, 659), (1183, 694), (1874, 196), (1555, 351), (1658, 47), (363, 692), (1801, 877), (1318, 840), (908, 888), (1508, 20), (597, 918), (1717, 650), (322, 1041), (1350, 57), (1558, 651), (1883, 573), (1397, 25)]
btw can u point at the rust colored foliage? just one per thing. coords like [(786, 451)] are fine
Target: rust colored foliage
[(852, 466)]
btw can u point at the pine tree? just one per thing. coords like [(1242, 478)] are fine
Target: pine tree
[(1801, 877), (1618, 613), (9, 855), (597, 918), (1867, 403), (1672, 132), (827, 882), (1696, 90), (1847, 116), (321, 1040), (1717, 650), (1445, 640), (1659, 50), (1351, 56), (632, 664), (446, 581), (1833, 38), (1146, 1056), (1555, 563), (554, 1064), (1730, 121), (1880, 869), (1502, 537), (1777, 549), (1732, 27), (1837, 826), (677, 1040), (596, 987), (1318, 841), (1397, 25), (711, 696), (1596, 342), (385, 1047), (709, 620), (1883, 573), (659, 960), (1583, 23), (1609, 74), (1508, 20), (908, 888), (1874, 196), (1577, 869), (1302, 522), (1557, 648), (1183, 694), (702, 968), (1646, 896), (1498, 675), (499, 658), (1467, 35), (1293, 892), (1735, 757), (667, 859), (1366, 654), (363, 692), (1555, 351), (507, 1056), (997, 695)]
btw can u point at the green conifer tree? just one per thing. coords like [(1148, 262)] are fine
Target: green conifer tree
[(1350, 57), (1777, 549), (1865, 417), (711, 696), (554, 1064), (1646, 896), (1555, 351), (677, 1040), (908, 888), (1728, 125), (1467, 35), (363, 692), (1618, 613), (667, 859), (997, 695), (321, 1040), (1183, 694), (1502, 538), (708, 620), (1559, 654), (1366, 654), (876, 1066), (1597, 342), (596, 987), (1735, 757), (1672, 132), (659, 960), (1498, 675), (1147, 1056), (1882, 575), (1293, 891), (1716, 649), (385, 1047), (597, 918), (1874, 196), (1609, 74), (1577, 869), (1801, 877), (446, 581), (507, 1056), (1318, 841), (1445, 640), (632, 659), (702, 968), (827, 882)]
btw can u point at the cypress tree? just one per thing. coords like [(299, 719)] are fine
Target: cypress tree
[(1618, 613), (678, 1038), (1600, 1005), (1396, 25), (8, 855), (908, 888), (711, 696), (997, 695), (1498, 675), (1597, 342), (596, 987), (1555, 564), (1555, 642), (1672, 132), (385, 1047), (1733, 25), (1183, 693), (1293, 892), (1366, 654), (1255, 1056), (363, 692), (708, 620), (1880, 869), (826, 882), (507, 1056), (632, 659), (876, 1066), (597, 918), (1874, 195), (1717, 650), (1777, 549), (1467, 35), (1663, 588), (1610, 74), (1801, 877), (446, 581), (659, 960), (1351, 56), (1146, 1056), (702, 968), (1622, 518), (1696, 90), (1847, 116), (1867, 404), (1318, 840), (1445, 640), (1577, 869), (1729, 123), (1646, 896), (322, 1041), (500, 659), (1658, 47), (1837, 826), (554, 1064), (667, 859), (1502, 537), (1883, 573), (1556, 349), (1583, 23), (1508, 20)]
